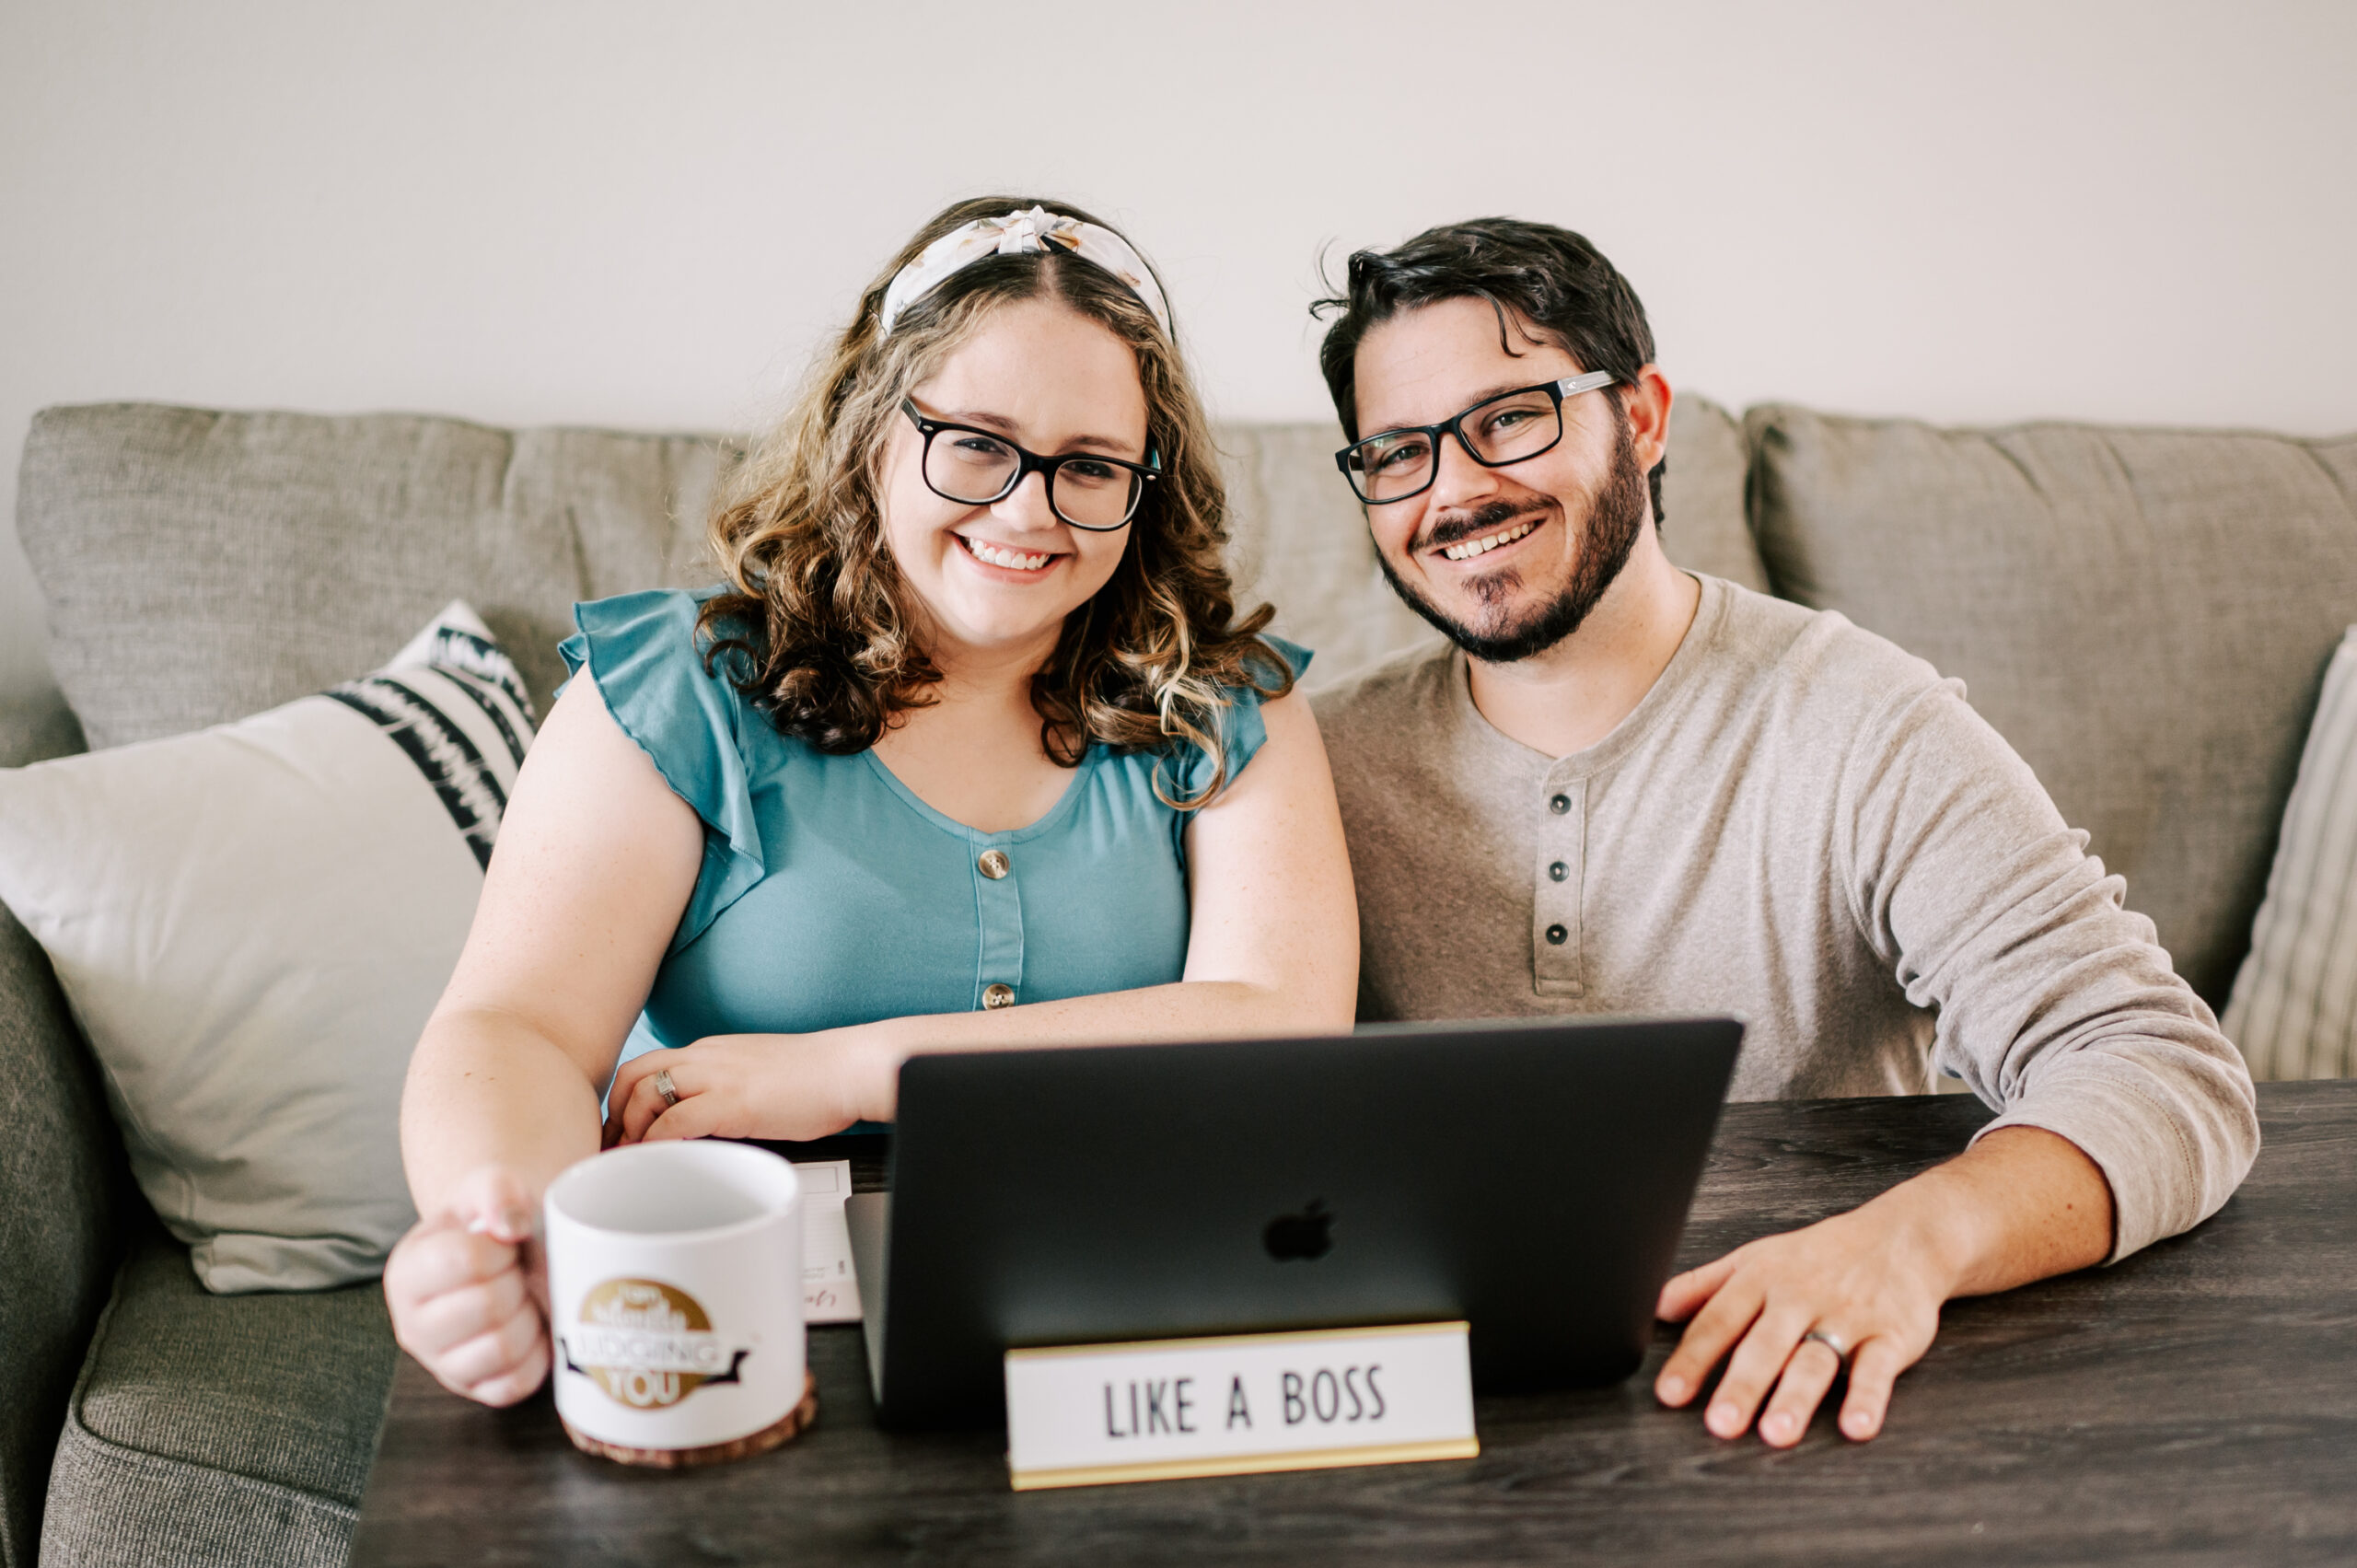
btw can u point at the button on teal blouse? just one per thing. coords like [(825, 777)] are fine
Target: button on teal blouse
[(830, 895)]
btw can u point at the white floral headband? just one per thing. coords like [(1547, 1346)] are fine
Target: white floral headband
[(1011, 235)]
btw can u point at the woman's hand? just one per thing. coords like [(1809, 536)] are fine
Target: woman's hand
[(466, 1300), (793, 1087)]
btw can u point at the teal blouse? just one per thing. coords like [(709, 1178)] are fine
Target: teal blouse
[(830, 895)]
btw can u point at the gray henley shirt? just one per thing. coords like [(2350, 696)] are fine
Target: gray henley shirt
[(1806, 826)]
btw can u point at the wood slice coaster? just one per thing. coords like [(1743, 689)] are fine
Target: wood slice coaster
[(782, 1431)]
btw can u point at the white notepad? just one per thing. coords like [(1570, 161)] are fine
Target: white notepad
[(829, 1286)]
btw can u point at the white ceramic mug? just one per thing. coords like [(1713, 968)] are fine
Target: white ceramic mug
[(675, 1301)]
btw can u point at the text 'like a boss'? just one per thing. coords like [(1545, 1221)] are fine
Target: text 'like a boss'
[(1146, 1407)]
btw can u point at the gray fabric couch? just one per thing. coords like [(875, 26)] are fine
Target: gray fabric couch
[(2145, 614)]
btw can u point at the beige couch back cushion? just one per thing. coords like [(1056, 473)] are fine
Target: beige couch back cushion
[(2146, 615), (200, 566)]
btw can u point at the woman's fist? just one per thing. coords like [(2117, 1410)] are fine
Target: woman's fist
[(465, 1292)]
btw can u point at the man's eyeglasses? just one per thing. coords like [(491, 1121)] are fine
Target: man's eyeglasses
[(1509, 428), (975, 468)]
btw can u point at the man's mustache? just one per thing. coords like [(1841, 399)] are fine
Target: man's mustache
[(1455, 528)]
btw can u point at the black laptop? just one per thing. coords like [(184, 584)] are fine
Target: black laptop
[(1529, 1177)]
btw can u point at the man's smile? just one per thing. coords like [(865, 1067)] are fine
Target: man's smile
[(1464, 539), (1468, 549)]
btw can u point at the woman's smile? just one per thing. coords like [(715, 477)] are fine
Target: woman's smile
[(1014, 561)]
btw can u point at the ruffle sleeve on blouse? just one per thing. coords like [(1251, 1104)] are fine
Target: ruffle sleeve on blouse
[(1242, 728), (642, 651)]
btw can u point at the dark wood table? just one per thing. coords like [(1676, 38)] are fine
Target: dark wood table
[(2197, 1403)]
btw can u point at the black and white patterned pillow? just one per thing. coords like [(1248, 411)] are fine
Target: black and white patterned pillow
[(253, 922), (456, 706), (2293, 1011)]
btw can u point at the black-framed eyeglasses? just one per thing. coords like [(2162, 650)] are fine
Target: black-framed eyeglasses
[(975, 468), (1509, 428)]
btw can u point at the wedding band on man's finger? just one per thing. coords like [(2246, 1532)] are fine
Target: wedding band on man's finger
[(1832, 1341)]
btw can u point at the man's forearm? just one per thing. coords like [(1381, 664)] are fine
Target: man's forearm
[(2022, 1205)]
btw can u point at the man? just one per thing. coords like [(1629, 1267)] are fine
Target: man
[(1623, 789)]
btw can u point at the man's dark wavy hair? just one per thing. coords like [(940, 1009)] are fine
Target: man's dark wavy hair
[(1552, 279)]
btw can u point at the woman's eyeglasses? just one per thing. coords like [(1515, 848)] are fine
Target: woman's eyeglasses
[(975, 468)]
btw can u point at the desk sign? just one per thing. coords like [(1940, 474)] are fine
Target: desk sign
[(1090, 1415)]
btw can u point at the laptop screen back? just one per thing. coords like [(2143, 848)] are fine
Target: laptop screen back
[(1531, 1178)]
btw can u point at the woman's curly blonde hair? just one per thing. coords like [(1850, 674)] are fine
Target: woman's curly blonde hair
[(817, 625)]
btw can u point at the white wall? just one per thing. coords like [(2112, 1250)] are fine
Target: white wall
[(645, 215)]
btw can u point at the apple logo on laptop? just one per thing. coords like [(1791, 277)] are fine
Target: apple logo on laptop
[(1306, 1235)]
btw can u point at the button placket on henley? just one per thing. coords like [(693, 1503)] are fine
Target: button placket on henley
[(998, 909), (1557, 966)]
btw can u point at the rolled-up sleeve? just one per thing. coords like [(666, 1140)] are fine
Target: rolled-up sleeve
[(2055, 1003)]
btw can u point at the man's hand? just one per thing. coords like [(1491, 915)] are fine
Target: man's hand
[(2020, 1205), (1856, 1277)]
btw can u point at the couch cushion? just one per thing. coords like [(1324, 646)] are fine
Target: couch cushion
[(2145, 614), (218, 1429), (1704, 523), (1301, 541), (200, 566)]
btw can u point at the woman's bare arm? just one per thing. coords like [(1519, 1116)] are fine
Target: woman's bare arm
[(596, 858)]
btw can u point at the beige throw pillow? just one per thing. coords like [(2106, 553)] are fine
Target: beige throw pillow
[(251, 924), (2293, 1010)]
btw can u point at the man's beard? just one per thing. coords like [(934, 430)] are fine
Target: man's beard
[(1615, 515)]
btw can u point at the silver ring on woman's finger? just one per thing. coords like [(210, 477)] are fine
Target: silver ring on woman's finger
[(670, 1093), (1830, 1341)]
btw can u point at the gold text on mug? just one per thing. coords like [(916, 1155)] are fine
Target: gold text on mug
[(647, 1344)]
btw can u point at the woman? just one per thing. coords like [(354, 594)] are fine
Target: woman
[(970, 751)]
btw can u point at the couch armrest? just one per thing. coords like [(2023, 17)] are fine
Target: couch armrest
[(64, 1187), (38, 728)]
